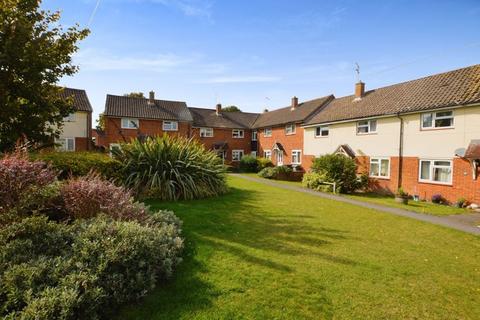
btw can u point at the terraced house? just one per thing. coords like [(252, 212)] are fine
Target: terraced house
[(422, 135), (76, 132)]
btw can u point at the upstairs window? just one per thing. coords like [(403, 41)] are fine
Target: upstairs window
[(441, 119), (321, 131), (267, 132), (254, 135), (170, 126), (290, 128), (69, 118), (366, 126), (237, 133), (129, 123), (206, 132)]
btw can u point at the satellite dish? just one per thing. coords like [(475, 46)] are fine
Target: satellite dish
[(460, 152)]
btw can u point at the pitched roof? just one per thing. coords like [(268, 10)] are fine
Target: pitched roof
[(80, 99), (287, 115), (209, 118), (447, 89), (121, 106)]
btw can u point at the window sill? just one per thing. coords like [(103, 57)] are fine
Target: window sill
[(367, 134), (129, 128), (237, 137), (435, 129), (446, 184), (290, 134), (379, 178), (170, 130), (321, 137)]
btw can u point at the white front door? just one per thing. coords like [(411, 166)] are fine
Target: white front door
[(279, 158)]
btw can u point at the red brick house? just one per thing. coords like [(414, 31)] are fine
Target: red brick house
[(127, 118), (227, 133), (280, 132)]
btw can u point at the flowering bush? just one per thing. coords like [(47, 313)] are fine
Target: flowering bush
[(19, 176), (86, 197), (437, 198)]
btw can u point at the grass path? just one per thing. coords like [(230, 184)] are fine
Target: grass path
[(261, 252)]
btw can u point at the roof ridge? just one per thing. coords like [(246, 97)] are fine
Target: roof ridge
[(138, 98)]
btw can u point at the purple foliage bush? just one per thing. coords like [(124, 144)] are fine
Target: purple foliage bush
[(437, 198), (19, 175), (86, 197)]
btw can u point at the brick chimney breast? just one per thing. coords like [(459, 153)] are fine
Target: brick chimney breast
[(218, 108), (359, 90), (294, 103), (151, 98)]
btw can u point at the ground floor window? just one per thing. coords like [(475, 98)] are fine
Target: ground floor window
[(380, 167), (267, 154), (438, 171), (65, 144), (237, 155), (253, 154), (296, 156)]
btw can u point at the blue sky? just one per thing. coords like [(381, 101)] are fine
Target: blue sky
[(257, 54)]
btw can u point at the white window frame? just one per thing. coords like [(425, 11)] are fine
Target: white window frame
[(206, 132), (113, 145), (297, 153), (237, 155), (267, 132), (378, 161), (253, 153), (168, 125), (432, 170), (254, 135), (435, 117), (70, 118), (322, 129), (238, 133), (267, 154), (290, 128), (64, 144), (368, 125), (130, 123)]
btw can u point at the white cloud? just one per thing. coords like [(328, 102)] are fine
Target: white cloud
[(242, 79)]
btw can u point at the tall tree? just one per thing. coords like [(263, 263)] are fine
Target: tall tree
[(134, 95), (35, 52), (231, 109)]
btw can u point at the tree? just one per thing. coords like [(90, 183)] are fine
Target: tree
[(134, 95), (231, 109), (35, 52)]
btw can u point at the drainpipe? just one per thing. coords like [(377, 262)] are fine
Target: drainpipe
[(400, 152)]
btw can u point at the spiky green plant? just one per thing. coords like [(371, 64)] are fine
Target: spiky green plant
[(171, 168)]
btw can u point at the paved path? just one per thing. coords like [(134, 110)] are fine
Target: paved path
[(463, 223)]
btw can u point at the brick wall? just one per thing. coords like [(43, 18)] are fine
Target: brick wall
[(289, 143), (114, 132), (82, 144), (463, 185), (225, 135)]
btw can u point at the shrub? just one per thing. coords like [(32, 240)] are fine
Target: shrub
[(339, 169), (313, 180), (18, 176), (52, 270), (267, 173), (171, 168), (461, 202), (81, 163), (437, 198), (248, 164), (263, 163), (86, 197)]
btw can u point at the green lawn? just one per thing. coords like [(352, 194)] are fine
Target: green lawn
[(420, 207), (262, 252)]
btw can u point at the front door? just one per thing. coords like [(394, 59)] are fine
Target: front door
[(279, 158)]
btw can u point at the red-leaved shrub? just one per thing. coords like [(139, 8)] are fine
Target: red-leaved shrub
[(19, 175), (86, 197)]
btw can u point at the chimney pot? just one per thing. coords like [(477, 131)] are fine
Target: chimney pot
[(294, 103), (359, 90), (218, 108), (265, 110), (151, 97)]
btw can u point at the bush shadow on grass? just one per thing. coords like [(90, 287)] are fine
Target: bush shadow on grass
[(236, 224)]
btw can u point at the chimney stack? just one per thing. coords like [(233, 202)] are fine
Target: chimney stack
[(359, 90), (294, 103), (151, 97), (265, 110), (218, 108)]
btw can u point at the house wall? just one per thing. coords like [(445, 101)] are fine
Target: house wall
[(114, 133), (79, 129), (437, 144), (289, 143), (225, 135)]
